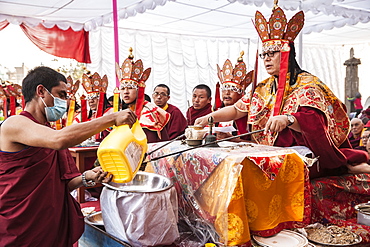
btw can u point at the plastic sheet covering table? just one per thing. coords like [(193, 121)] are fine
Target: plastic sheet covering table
[(228, 193)]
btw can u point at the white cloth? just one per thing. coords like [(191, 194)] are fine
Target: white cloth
[(142, 219)]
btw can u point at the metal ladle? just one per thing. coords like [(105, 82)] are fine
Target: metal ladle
[(203, 145)]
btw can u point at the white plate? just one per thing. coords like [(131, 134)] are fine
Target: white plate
[(283, 239)]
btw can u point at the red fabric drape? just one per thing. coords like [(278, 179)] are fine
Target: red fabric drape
[(61, 43), (3, 24)]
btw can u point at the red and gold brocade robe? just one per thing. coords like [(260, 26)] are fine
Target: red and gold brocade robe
[(320, 114)]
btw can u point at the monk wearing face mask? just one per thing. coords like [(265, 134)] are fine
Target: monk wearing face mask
[(37, 172)]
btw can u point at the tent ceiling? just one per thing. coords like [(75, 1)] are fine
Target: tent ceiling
[(337, 21)]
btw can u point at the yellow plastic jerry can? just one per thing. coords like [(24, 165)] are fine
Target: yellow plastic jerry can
[(122, 152)]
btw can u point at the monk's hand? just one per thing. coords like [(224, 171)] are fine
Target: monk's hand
[(222, 135), (276, 123), (99, 176), (125, 117), (202, 121), (359, 168)]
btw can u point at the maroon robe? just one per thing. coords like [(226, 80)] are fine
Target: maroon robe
[(177, 124), (36, 208), (152, 136), (332, 160), (192, 114), (355, 142)]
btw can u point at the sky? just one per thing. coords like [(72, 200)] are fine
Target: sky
[(16, 48)]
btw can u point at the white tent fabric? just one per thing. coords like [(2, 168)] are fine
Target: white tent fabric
[(182, 62), (183, 40), (90, 14), (179, 61)]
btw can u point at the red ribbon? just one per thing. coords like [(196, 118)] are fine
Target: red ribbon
[(5, 107), (254, 78), (83, 110), (23, 103), (99, 110), (139, 101), (12, 105), (218, 101), (284, 61)]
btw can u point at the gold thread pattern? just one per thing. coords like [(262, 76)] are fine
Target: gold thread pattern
[(289, 171), (238, 191), (252, 210), (275, 207), (261, 181), (235, 226), (297, 204)]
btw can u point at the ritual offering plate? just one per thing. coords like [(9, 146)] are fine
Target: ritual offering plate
[(95, 219), (143, 182), (333, 236), (283, 239)]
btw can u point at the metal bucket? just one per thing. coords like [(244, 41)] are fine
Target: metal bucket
[(143, 212), (143, 182)]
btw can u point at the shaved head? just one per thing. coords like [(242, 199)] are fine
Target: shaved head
[(356, 126)]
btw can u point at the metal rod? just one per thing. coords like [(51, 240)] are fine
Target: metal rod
[(179, 137), (203, 145)]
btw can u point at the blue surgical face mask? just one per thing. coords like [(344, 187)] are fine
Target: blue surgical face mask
[(53, 113)]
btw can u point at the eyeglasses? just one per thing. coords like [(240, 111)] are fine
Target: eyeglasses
[(365, 137), (269, 54), (156, 94)]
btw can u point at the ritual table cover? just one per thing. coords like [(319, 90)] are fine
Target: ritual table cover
[(238, 189)]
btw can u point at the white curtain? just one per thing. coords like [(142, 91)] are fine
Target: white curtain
[(179, 61), (182, 61)]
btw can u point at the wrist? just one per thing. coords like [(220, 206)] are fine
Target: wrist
[(87, 182), (290, 119)]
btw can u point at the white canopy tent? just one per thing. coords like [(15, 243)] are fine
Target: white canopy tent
[(183, 40)]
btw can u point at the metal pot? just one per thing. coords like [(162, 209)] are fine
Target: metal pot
[(363, 213)]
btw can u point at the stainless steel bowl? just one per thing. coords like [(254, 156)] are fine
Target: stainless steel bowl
[(95, 219), (143, 182), (194, 142)]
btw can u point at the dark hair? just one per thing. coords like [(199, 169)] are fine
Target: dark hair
[(205, 87), (147, 98), (77, 106), (45, 76), (294, 68), (111, 98), (165, 86)]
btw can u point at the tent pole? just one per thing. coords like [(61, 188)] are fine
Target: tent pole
[(300, 49), (300, 38), (116, 46)]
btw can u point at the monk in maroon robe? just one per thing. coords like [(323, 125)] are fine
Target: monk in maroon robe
[(202, 97), (192, 114), (36, 207), (177, 124), (37, 172)]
